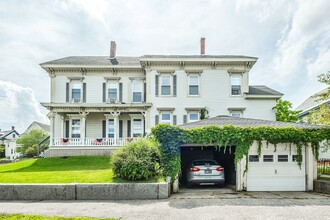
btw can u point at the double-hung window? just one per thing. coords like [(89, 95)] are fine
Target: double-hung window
[(166, 85), (137, 91), (193, 85), (113, 92), (75, 128), (137, 128), (76, 90), (193, 116), (165, 118), (111, 128), (235, 84)]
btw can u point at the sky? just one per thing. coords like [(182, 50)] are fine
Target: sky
[(290, 38)]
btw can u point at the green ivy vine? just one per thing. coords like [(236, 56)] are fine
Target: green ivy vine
[(171, 137)]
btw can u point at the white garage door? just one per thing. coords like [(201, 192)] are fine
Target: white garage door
[(275, 171)]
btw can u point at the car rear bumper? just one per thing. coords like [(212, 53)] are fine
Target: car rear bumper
[(203, 179)]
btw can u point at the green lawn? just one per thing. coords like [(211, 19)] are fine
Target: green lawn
[(92, 169), (59, 170), (38, 217)]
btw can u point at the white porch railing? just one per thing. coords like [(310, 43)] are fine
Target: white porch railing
[(91, 141)]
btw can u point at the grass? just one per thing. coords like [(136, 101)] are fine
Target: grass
[(91, 169), (39, 217)]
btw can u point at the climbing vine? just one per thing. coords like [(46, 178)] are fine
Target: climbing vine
[(171, 137)]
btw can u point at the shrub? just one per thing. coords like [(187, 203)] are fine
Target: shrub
[(139, 160), (31, 151)]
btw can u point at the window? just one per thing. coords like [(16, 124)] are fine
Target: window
[(193, 117), (166, 85), (137, 91), (253, 158), (75, 129), (236, 114), (165, 118), (137, 128), (235, 84), (14, 135), (111, 128), (296, 157), (11, 151), (76, 90), (268, 158), (282, 158), (193, 85), (113, 92)]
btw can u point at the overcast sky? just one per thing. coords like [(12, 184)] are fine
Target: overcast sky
[(290, 38)]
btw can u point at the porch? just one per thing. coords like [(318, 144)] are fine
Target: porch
[(90, 142)]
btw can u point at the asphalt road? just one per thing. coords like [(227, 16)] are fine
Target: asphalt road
[(186, 209)]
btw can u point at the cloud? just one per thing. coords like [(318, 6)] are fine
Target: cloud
[(19, 106)]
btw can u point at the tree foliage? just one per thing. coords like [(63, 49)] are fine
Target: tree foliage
[(31, 139), (283, 112), (2, 150)]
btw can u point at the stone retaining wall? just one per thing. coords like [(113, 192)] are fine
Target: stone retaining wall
[(322, 186), (111, 191)]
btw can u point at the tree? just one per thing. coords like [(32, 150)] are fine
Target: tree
[(283, 112), (31, 140), (2, 150), (321, 115)]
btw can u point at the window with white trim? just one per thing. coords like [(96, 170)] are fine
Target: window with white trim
[(137, 91), (165, 118), (111, 128), (76, 90), (193, 116), (236, 114), (236, 84), (75, 128), (113, 91), (253, 158), (193, 85), (137, 128), (165, 85)]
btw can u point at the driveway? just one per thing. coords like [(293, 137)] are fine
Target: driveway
[(309, 206)]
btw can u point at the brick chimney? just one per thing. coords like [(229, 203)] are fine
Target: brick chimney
[(202, 45), (12, 127), (113, 50)]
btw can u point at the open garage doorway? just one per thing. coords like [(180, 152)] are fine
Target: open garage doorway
[(225, 158)]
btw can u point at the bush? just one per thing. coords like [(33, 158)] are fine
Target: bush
[(31, 151), (139, 160)]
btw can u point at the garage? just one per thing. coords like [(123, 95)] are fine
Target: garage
[(196, 152)]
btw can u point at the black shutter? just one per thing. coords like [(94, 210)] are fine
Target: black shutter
[(67, 129), (156, 85), (120, 92), (120, 128), (128, 128), (174, 120), (145, 92), (84, 92), (156, 119), (144, 127), (67, 92), (103, 92), (104, 125), (174, 85), (184, 119)]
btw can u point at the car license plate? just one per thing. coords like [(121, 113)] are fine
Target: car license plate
[(208, 171)]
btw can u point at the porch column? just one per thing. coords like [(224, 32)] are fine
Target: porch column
[(51, 116), (116, 122), (83, 116), (146, 121)]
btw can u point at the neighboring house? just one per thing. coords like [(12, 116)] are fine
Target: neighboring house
[(8, 139), (98, 103), (275, 169), (306, 108), (37, 126)]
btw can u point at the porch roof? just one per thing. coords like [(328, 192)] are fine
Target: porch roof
[(222, 120)]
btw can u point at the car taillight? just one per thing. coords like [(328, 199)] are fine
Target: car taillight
[(219, 169), (194, 169)]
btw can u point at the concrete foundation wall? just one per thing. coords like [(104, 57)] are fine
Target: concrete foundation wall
[(120, 191), (60, 152), (322, 186)]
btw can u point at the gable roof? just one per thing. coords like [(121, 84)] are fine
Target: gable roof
[(311, 103), (4, 134), (42, 126), (222, 120), (262, 90)]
